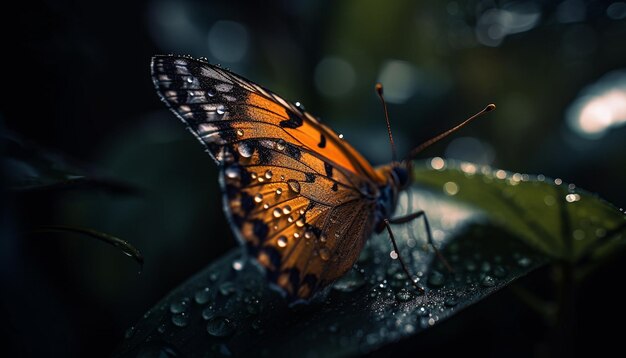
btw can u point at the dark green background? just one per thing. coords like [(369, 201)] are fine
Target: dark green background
[(76, 81)]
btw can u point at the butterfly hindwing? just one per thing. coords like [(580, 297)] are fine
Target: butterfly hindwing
[(296, 195)]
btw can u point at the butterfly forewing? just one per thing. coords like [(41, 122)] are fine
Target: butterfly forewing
[(297, 196)]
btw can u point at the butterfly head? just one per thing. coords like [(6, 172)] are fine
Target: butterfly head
[(400, 175)]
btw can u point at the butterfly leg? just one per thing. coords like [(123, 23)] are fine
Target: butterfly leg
[(404, 268), (422, 214)]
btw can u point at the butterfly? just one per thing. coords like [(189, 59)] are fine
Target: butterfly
[(299, 198)]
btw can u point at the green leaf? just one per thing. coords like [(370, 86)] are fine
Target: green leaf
[(127, 248), (30, 168), (226, 309), (556, 218)]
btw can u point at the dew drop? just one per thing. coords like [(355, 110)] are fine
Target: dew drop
[(280, 144), (524, 261), (189, 80), (220, 110), (300, 222), (232, 172), (294, 185), (431, 321), (290, 219), (237, 265), (180, 319), (202, 296), (324, 254), (129, 332), (558, 181), (296, 235), (341, 136), (179, 306), (266, 206), (279, 191), (488, 281), (244, 150), (350, 282), (220, 326), (282, 241), (499, 271), (393, 254), (501, 174), (323, 238), (287, 209), (451, 301), (227, 288), (404, 295), (208, 313), (308, 235), (258, 198), (239, 133), (277, 213), (268, 174)]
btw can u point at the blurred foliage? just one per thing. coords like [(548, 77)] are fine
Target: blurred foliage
[(558, 219)]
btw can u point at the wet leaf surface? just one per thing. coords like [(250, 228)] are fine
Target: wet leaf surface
[(510, 229), (227, 309)]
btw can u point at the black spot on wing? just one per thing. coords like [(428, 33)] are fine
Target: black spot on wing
[(335, 187), (265, 154), (247, 202), (309, 177), (322, 143), (329, 170), (260, 229), (314, 229), (275, 260), (293, 151), (293, 122)]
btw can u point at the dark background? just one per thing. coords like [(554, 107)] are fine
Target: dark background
[(76, 81)]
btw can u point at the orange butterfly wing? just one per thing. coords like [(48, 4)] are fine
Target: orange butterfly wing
[(300, 199)]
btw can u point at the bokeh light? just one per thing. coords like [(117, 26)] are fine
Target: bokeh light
[(600, 107), (334, 76), (495, 24), (228, 41)]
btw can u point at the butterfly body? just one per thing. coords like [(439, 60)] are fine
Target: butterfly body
[(300, 199)]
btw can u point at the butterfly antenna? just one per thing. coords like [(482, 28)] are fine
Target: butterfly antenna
[(379, 91), (428, 143)]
